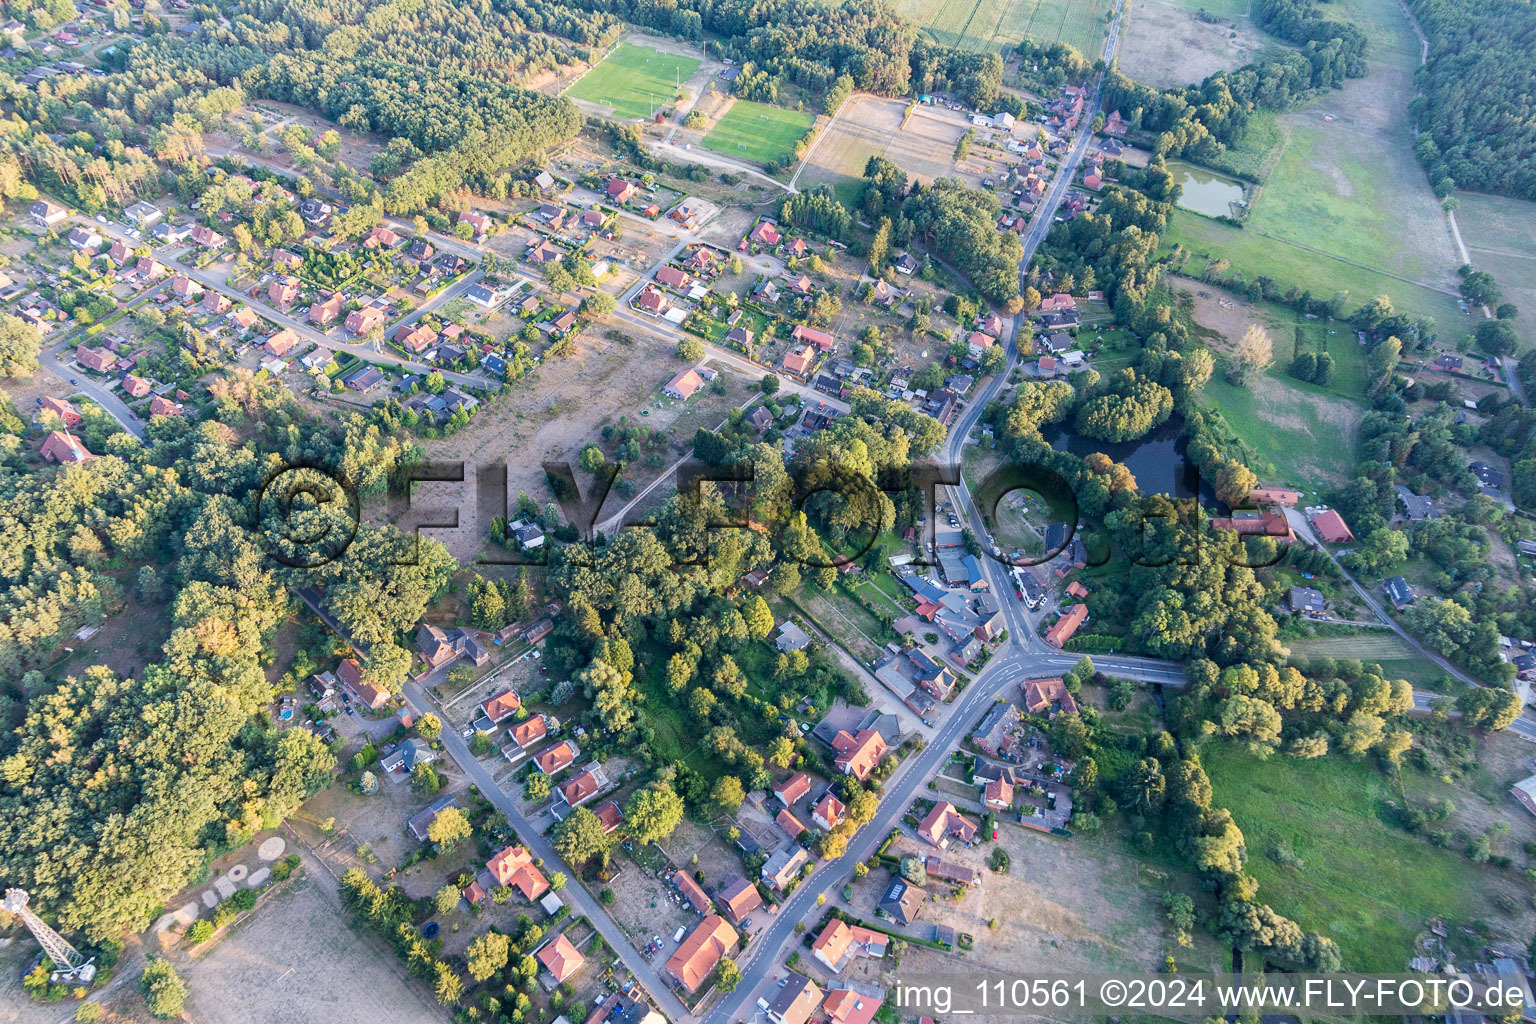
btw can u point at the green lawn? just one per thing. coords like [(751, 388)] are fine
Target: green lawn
[(633, 78), (1500, 234), (1364, 883), (1252, 254), (1344, 204), (993, 24), (758, 132), (1295, 433)]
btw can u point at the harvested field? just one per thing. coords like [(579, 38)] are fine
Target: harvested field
[(297, 959), (871, 126), (995, 24), (1167, 44), (1109, 919)]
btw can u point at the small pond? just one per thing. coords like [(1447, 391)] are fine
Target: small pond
[(1206, 191)]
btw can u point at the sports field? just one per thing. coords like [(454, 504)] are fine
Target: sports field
[(994, 24), (758, 132), (1500, 235), (633, 80)]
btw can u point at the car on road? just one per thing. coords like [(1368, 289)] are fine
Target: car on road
[(100, 219), (74, 380)]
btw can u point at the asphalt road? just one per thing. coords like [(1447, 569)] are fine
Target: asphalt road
[(574, 893), (59, 360), (1024, 656)]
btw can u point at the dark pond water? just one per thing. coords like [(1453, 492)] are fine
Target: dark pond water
[(1156, 461)]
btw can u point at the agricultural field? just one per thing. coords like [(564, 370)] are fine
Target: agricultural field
[(994, 24), (632, 81), (1318, 834), (1345, 200), (1500, 235), (758, 132), (299, 950), (1294, 433), (871, 126), (1168, 44)]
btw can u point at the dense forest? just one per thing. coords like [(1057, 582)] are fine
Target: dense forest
[(1478, 106), (115, 789)]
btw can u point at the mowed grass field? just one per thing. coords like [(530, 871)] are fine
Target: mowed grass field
[(994, 24), (632, 78), (1500, 236), (1295, 433), (1344, 204), (1324, 853), (758, 132)]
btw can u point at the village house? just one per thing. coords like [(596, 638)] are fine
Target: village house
[(784, 865), (858, 754), (1063, 628), (945, 822), (404, 757), (162, 406), (98, 359), (324, 312), (65, 449), (560, 756), (135, 386), (652, 300), (793, 1002), (995, 736), (765, 234), (65, 411), (362, 321), (828, 813), (560, 958), (901, 903), (281, 343), (419, 824), (415, 338), (513, 868), (439, 647), (821, 339), (216, 303), (692, 891), (798, 359), (700, 953), (350, 674), (738, 897), (283, 292), (47, 213), (1048, 697), (792, 826), (620, 191), (207, 237), (578, 789), (1331, 528), (792, 790), (840, 942), (847, 1006)]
